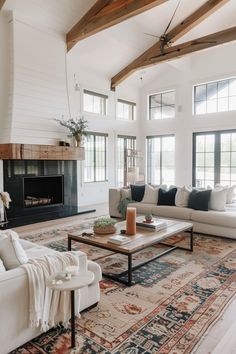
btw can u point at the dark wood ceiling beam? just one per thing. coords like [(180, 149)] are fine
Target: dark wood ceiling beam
[(186, 25), (2, 2), (195, 45), (107, 13)]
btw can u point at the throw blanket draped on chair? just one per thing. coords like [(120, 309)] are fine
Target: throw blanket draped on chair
[(48, 307)]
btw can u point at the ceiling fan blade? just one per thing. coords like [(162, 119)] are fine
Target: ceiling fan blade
[(151, 35), (168, 26)]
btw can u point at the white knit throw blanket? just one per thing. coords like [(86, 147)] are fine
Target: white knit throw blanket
[(48, 307)]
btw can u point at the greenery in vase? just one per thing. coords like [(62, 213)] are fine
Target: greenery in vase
[(76, 126), (104, 222)]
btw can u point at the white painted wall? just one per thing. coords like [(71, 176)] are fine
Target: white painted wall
[(210, 65), (6, 73)]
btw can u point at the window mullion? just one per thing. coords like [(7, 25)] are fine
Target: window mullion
[(217, 157)]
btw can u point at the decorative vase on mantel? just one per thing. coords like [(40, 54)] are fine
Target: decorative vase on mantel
[(78, 140)]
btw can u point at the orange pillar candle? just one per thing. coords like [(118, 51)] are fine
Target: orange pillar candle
[(131, 221)]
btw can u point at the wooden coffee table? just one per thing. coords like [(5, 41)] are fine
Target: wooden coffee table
[(142, 239)]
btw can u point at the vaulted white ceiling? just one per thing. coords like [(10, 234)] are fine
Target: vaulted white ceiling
[(109, 51)]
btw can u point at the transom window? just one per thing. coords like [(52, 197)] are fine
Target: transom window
[(95, 102), (95, 165), (126, 110), (126, 162), (162, 105), (218, 96), (214, 158), (161, 159)]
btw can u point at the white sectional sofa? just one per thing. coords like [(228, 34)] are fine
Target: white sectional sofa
[(14, 298), (217, 223)]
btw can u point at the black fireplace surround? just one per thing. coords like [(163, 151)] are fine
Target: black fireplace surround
[(40, 190)]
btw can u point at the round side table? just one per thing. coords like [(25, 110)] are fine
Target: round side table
[(75, 283)]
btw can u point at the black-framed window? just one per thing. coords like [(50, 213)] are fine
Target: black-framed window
[(214, 158), (162, 105), (161, 159), (95, 102), (126, 110), (95, 164), (217, 96), (126, 145)]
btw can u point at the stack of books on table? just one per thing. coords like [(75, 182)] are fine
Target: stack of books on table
[(119, 240), (154, 225)]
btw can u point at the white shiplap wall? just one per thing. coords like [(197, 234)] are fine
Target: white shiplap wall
[(40, 90)]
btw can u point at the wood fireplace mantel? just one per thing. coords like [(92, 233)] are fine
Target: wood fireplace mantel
[(40, 152)]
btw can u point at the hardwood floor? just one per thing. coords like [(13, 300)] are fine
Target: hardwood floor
[(221, 339)]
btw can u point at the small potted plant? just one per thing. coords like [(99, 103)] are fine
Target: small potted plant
[(76, 126), (104, 226)]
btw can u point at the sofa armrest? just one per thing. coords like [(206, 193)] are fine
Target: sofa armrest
[(114, 199)]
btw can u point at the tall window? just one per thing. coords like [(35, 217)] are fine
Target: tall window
[(126, 144), (95, 102), (214, 158), (126, 110), (218, 96), (95, 165), (162, 105), (161, 159)]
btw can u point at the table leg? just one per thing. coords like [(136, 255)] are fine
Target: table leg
[(69, 244), (191, 239), (130, 269), (72, 299)]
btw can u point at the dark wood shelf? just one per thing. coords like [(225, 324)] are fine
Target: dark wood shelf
[(40, 152)]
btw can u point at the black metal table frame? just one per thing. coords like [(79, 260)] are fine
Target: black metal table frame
[(129, 255)]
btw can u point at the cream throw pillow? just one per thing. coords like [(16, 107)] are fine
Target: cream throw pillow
[(182, 196), (150, 194), (125, 193), (230, 192), (218, 198), (11, 251)]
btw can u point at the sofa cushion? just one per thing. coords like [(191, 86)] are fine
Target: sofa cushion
[(150, 194), (172, 212), (137, 192), (142, 208), (11, 251), (212, 217), (199, 200), (166, 197), (230, 192), (182, 196), (2, 268)]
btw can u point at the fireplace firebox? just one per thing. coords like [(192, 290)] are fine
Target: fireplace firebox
[(43, 191)]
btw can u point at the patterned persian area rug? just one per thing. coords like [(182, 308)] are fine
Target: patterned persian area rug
[(176, 299)]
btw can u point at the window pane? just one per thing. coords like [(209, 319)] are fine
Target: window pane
[(161, 160), (168, 112), (200, 107), (168, 98), (200, 93), (233, 159), (200, 143), (232, 103), (95, 158), (209, 159), (200, 159), (212, 91), (223, 105), (225, 159), (125, 162), (211, 106), (232, 87), (210, 143), (162, 105), (225, 142), (95, 103), (223, 88)]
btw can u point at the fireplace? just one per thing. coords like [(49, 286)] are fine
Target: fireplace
[(43, 191)]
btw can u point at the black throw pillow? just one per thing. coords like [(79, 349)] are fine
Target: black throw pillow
[(199, 200), (137, 192), (166, 197)]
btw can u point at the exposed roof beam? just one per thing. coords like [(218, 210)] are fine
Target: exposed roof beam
[(194, 19), (2, 2), (195, 45), (106, 13)]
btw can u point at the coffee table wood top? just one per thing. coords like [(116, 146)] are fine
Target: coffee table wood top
[(142, 239)]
